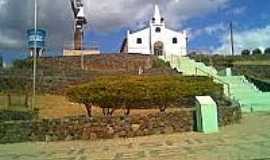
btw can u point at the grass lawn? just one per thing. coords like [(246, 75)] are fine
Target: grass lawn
[(53, 106)]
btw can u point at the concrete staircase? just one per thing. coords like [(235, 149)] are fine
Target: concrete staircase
[(238, 88)]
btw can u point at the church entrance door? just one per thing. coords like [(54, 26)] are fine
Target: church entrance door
[(158, 48)]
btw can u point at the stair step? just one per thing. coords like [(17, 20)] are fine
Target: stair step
[(246, 93)]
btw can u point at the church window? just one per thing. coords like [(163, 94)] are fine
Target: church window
[(153, 20), (158, 29), (139, 40), (174, 40), (162, 20)]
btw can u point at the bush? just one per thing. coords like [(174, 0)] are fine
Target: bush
[(257, 52), (141, 92), (245, 52), (267, 51)]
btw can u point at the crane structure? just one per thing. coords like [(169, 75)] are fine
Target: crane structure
[(79, 23)]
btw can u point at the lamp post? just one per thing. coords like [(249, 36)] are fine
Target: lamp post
[(34, 56)]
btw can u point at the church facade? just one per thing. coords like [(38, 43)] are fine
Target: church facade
[(156, 39)]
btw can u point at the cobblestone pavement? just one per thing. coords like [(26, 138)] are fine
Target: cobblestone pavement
[(249, 140)]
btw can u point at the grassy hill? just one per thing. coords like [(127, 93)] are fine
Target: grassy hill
[(56, 74)]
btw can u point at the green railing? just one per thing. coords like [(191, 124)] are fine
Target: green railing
[(216, 78)]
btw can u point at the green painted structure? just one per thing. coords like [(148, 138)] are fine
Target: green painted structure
[(206, 115), (237, 88)]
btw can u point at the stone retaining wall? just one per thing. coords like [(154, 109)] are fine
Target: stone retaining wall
[(104, 62), (229, 115), (82, 128)]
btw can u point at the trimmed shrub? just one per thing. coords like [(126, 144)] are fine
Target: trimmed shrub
[(141, 92)]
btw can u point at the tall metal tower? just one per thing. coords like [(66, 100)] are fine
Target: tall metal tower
[(79, 23)]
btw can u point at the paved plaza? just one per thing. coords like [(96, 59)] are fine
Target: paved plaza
[(249, 140)]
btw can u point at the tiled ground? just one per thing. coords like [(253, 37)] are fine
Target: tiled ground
[(249, 140)]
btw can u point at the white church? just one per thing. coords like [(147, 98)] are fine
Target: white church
[(156, 39)]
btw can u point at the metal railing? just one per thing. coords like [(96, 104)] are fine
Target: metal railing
[(214, 77)]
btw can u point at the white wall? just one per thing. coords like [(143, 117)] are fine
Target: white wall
[(143, 48), (174, 49), (150, 36)]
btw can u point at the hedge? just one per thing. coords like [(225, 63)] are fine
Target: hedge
[(137, 92)]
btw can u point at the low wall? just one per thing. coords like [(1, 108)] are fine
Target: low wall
[(82, 128), (104, 62), (229, 115)]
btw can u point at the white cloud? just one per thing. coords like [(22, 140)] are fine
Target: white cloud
[(105, 15), (248, 39), (212, 30), (237, 11)]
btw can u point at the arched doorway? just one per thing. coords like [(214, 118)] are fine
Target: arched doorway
[(158, 48)]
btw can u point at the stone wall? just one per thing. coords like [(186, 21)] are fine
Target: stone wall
[(104, 62), (229, 115), (82, 128)]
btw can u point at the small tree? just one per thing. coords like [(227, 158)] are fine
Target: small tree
[(267, 51), (245, 52), (257, 52)]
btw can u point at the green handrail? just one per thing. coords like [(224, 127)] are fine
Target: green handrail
[(214, 77)]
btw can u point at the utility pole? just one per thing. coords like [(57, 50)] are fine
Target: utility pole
[(34, 57), (187, 45), (232, 38)]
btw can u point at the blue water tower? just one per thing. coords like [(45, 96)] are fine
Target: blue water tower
[(39, 38)]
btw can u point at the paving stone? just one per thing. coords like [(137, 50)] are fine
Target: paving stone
[(150, 145), (130, 156)]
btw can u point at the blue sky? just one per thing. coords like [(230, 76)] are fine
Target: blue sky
[(207, 22), (209, 28)]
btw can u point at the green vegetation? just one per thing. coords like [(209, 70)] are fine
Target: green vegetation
[(267, 51), (158, 63), (141, 92), (55, 74), (245, 52), (16, 115), (263, 85), (15, 81), (257, 52)]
